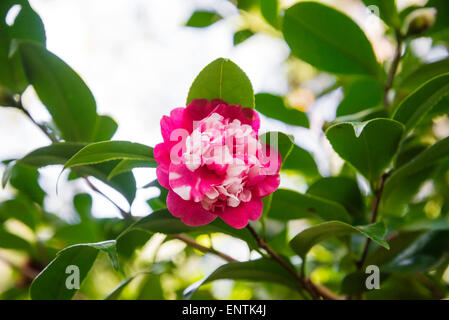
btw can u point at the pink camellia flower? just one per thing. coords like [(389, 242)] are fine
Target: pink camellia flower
[(214, 165)]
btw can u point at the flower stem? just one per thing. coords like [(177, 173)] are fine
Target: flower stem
[(393, 68)]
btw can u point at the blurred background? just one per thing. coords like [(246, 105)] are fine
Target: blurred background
[(139, 59)]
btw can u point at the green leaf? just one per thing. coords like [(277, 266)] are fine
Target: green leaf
[(289, 205), (202, 19), (305, 240), (369, 146), (115, 294), (360, 95), (128, 165), (163, 221), (21, 209), (60, 153), (413, 109), (421, 162), (342, 190), (241, 36), (66, 96), (422, 255), (301, 161), (274, 107), (262, 270), (425, 73), (50, 284), (110, 150), (270, 11), (223, 79), (25, 179), (280, 141), (387, 10), (328, 40), (105, 129), (12, 241)]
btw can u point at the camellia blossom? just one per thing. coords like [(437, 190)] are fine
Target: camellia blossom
[(214, 165)]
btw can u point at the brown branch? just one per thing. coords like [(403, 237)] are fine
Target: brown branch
[(191, 242), (393, 68), (315, 291)]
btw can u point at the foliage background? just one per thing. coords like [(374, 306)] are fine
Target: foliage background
[(139, 59)]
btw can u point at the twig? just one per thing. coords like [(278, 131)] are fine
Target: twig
[(315, 291), (393, 68), (375, 211), (191, 242)]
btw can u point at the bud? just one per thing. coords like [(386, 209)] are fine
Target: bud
[(419, 21), (6, 97)]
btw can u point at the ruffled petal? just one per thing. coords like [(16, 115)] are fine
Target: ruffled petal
[(191, 213), (238, 217), (192, 185)]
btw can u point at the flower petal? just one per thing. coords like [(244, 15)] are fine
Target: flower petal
[(191, 213), (238, 217)]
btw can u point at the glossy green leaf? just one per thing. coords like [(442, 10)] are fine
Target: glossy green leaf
[(425, 73), (262, 270), (361, 94), (163, 221), (328, 40), (413, 109), (110, 150), (342, 190), (50, 284), (25, 179), (223, 79), (422, 255), (60, 153), (21, 209), (289, 205), (280, 141), (274, 107), (66, 96), (202, 19), (304, 241), (422, 161), (128, 165), (302, 162), (104, 129), (369, 146)]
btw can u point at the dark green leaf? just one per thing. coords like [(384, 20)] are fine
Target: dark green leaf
[(25, 179), (369, 146), (273, 106), (305, 240), (262, 270), (110, 150), (201, 19), (301, 161), (328, 40), (289, 205), (413, 109), (50, 284), (163, 221), (270, 11), (361, 94), (223, 79), (241, 36), (128, 165), (342, 190), (61, 90), (280, 141), (105, 129)]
